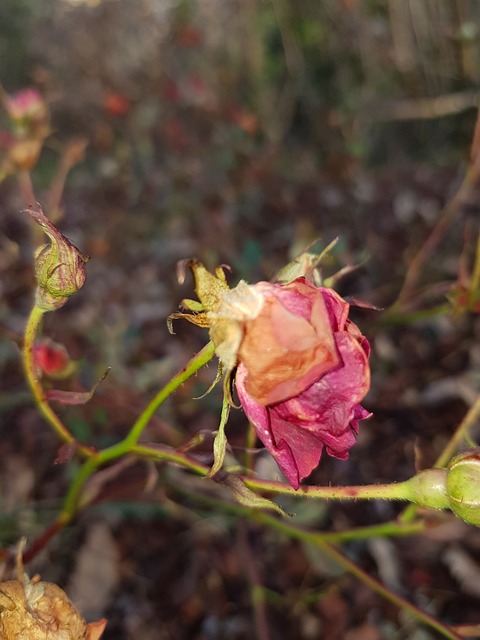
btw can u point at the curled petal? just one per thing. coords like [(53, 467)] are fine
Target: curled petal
[(289, 344), (296, 451)]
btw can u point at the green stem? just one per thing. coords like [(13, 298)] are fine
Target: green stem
[(31, 331), (220, 442), (251, 439), (407, 490), (475, 280), (160, 453), (71, 503), (395, 491), (129, 444), (196, 363), (390, 529)]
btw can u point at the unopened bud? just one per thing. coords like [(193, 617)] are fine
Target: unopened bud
[(52, 359), (59, 266), (463, 486)]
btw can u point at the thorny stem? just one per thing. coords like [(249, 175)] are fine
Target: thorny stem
[(75, 500), (159, 453), (129, 444), (406, 491), (393, 528), (196, 363), (31, 332)]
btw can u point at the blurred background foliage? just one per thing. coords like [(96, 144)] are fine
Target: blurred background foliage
[(206, 115)]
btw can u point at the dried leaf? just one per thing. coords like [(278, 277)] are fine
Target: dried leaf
[(74, 397)]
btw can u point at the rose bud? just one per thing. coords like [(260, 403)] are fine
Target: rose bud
[(52, 359), (59, 267), (28, 112), (303, 370), (463, 486), (26, 104), (30, 126)]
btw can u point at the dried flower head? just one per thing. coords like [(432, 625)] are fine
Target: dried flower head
[(301, 364), (37, 610), (303, 371)]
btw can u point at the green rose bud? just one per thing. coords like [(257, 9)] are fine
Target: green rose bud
[(463, 486), (59, 266)]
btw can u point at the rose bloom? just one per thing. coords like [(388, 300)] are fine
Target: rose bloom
[(303, 370)]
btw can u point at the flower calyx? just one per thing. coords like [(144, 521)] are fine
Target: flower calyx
[(223, 311)]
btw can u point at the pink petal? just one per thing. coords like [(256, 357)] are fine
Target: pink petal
[(325, 415), (289, 344), (296, 451)]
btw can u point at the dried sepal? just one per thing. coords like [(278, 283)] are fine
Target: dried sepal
[(245, 496), (306, 265), (75, 397)]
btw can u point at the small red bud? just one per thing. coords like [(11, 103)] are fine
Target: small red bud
[(52, 359)]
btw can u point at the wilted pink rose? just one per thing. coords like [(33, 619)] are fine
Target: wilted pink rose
[(303, 370)]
